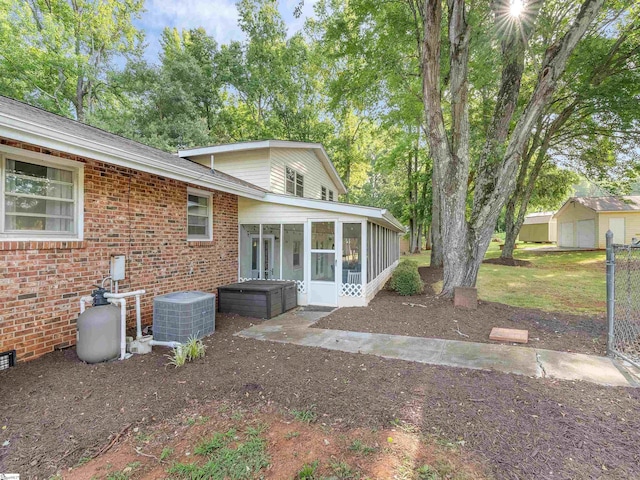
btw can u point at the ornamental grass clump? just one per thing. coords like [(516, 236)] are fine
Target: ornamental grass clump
[(406, 279)]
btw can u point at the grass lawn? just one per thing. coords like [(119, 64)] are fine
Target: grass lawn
[(571, 282)]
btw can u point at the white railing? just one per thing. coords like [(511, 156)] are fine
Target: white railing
[(351, 290)]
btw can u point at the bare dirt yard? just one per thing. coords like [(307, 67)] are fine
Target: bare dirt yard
[(140, 418), (428, 315)]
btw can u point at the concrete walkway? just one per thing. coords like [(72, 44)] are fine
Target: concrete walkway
[(293, 327)]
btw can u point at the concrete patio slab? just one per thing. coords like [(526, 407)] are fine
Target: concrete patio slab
[(293, 328), (578, 366), (484, 356)]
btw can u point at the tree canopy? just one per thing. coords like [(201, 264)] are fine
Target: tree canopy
[(450, 114)]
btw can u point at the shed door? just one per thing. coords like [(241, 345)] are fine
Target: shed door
[(586, 233), (616, 225), (566, 234)]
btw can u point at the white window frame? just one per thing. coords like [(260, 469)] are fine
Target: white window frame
[(296, 174), (323, 193), (77, 169), (209, 196), (330, 196)]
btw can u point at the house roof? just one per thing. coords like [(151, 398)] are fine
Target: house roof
[(29, 124), (317, 149), (538, 217), (25, 123), (623, 203)]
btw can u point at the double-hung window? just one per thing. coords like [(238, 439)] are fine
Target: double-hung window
[(323, 193), (199, 217), (40, 197), (294, 182), (331, 195)]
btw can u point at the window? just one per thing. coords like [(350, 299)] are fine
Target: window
[(198, 215), (331, 195), (294, 183), (40, 197), (323, 193)]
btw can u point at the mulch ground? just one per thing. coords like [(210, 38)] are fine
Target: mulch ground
[(509, 262), (428, 315), (58, 410)]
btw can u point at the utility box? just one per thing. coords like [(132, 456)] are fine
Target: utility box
[(117, 270), (180, 316)]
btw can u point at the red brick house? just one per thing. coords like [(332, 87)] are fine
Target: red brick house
[(72, 196)]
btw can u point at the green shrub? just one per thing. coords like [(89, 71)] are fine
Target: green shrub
[(406, 278)]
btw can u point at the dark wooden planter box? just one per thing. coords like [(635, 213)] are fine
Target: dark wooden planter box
[(258, 298), (289, 293)]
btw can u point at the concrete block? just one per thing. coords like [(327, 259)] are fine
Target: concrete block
[(465, 297), (509, 335)]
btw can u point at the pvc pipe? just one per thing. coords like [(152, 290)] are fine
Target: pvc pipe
[(123, 325), (112, 297), (125, 294), (138, 319), (84, 301), (165, 344)]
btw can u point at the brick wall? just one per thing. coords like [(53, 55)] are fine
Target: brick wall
[(127, 212)]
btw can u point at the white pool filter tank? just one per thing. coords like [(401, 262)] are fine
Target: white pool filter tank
[(98, 330)]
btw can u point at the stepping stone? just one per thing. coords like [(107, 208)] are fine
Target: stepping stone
[(509, 335)]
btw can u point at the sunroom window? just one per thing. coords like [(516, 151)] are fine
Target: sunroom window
[(199, 216), (40, 199)]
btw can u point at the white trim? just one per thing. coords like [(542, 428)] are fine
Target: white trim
[(318, 149), (43, 136), (209, 196), (372, 213), (363, 258), (37, 158)]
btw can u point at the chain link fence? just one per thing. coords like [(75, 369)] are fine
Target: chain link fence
[(623, 300)]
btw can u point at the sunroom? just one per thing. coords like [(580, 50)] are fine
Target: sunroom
[(338, 254)]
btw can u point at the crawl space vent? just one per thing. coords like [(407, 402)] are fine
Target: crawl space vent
[(7, 359)]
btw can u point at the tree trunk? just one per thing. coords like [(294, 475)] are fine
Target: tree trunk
[(78, 102), (467, 240), (436, 235), (510, 229)]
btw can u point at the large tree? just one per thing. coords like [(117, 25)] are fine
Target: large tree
[(591, 126), (466, 230), (57, 53)]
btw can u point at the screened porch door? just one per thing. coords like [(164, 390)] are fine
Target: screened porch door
[(323, 287)]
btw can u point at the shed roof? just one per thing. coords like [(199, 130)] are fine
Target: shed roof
[(538, 217), (622, 203)]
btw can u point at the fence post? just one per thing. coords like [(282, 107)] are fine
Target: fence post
[(611, 265)]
